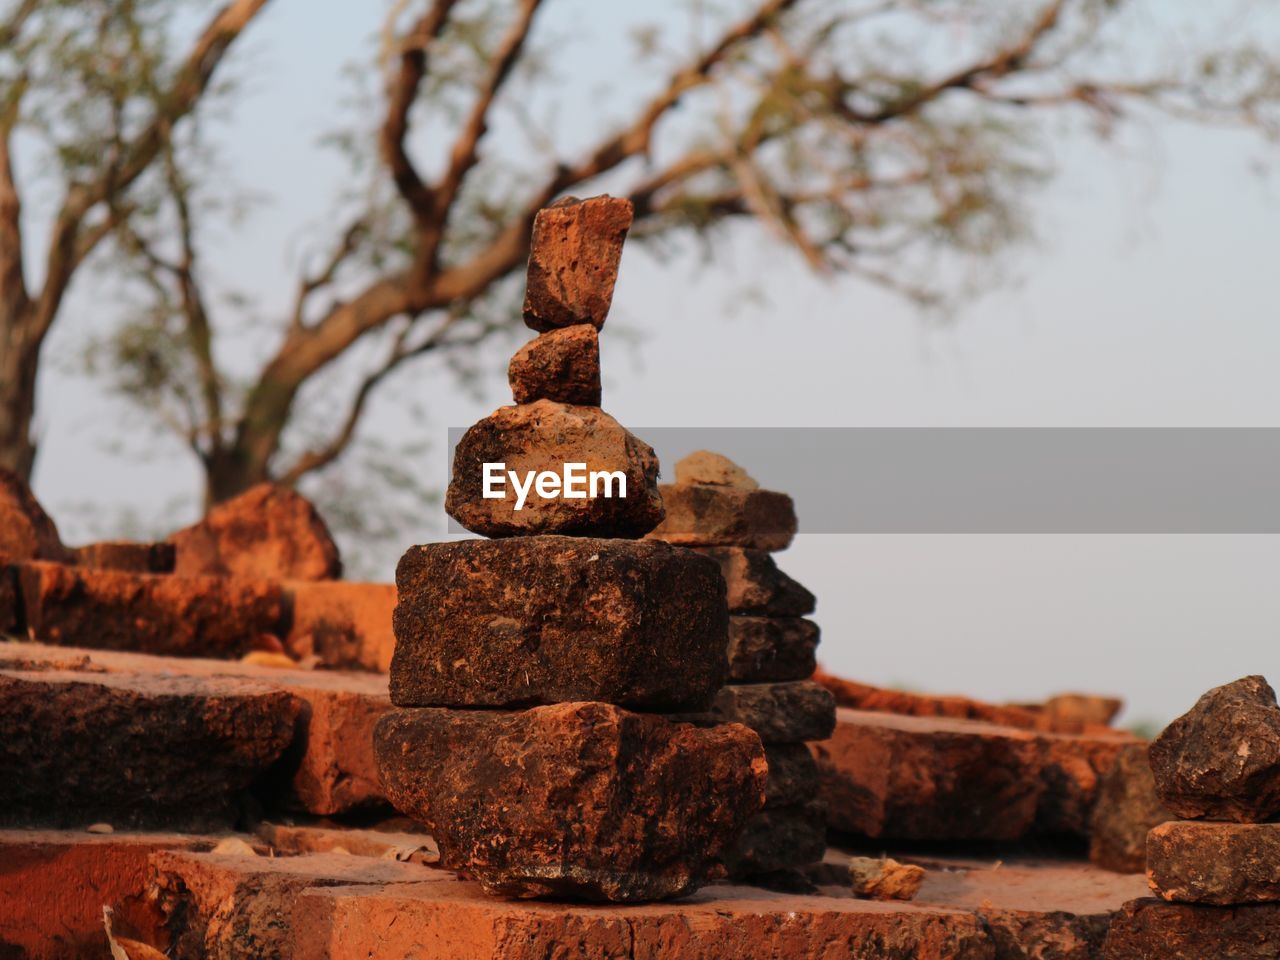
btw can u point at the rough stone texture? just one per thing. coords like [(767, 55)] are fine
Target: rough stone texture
[(552, 619), (582, 800), (1220, 863), (26, 531), (134, 750), (779, 712), (764, 649), (8, 599), (231, 907), (793, 775), (777, 838), (1151, 929), (455, 921), (701, 515), (1126, 809), (862, 696), (267, 531), (703, 466), (919, 778), (1078, 712), (329, 767), (1221, 759), (54, 884), (884, 878), (544, 436), (128, 555), (755, 585), (343, 625), (561, 365), (573, 261), (292, 840), (165, 614)]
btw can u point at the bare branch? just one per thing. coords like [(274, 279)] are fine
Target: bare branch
[(466, 146), (401, 93), (310, 284), (136, 156), (13, 285), (12, 28)]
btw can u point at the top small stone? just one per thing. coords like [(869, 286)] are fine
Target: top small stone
[(703, 466), (573, 261), (1221, 759)]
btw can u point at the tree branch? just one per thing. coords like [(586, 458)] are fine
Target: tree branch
[(136, 156), (13, 284), (12, 28), (401, 93)]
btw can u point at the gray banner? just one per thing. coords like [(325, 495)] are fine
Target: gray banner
[(1002, 480)]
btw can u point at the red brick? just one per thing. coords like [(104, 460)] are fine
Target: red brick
[(1150, 929), (128, 555), (344, 625), (175, 615)]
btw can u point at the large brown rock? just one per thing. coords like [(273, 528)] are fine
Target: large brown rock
[(180, 616), (26, 531), (134, 750), (790, 712), (1194, 861), (779, 838), (702, 515), (924, 778), (561, 365), (1150, 929), (328, 768), (341, 623), (543, 437), (582, 800), (1126, 809), (573, 261), (267, 531), (1221, 759), (128, 555), (755, 585), (552, 619)]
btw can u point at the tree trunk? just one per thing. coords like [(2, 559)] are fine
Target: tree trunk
[(230, 473), (19, 355)]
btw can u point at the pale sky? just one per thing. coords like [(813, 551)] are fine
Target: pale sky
[(1149, 300)]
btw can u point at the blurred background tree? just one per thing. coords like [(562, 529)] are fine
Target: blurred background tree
[(875, 137)]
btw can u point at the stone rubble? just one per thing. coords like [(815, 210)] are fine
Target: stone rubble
[(719, 510)]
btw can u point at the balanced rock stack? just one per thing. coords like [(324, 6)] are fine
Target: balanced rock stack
[(531, 673), (1218, 870), (715, 508)]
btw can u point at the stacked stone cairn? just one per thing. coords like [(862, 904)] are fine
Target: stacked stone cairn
[(535, 673), (716, 509), (1218, 868)]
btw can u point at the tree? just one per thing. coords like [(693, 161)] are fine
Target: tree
[(867, 134)]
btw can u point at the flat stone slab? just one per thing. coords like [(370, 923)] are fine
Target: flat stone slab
[(1154, 930), (128, 555), (328, 767), (224, 906), (267, 531), (926, 778), (790, 712), (579, 800), (148, 613), (756, 587), (54, 884), (1197, 861), (435, 921), (556, 619), (561, 365), (768, 649), (133, 749), (703, 515), (573, 261), (1125, 811), (541, 438), (1221, 759), (343, 624)]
